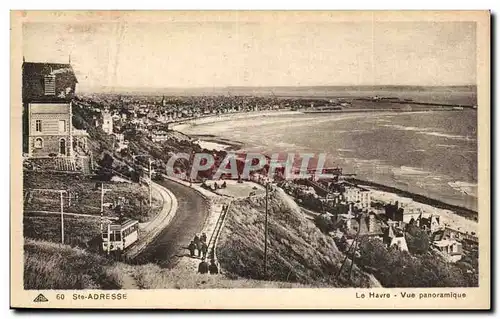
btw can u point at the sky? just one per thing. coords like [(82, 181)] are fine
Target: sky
[(218, 54)]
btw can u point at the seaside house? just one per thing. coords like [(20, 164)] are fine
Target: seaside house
[(447, 245), (360, 196), (431, 224), (47, 95)]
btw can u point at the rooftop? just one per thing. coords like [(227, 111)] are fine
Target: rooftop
[(34, 77)]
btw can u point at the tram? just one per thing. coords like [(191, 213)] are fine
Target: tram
[(119, 236)]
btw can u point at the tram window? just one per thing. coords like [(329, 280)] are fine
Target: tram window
[(118, 237)]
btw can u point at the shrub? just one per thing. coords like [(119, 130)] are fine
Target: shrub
[(395, 268), (324, 223), (417, 240)]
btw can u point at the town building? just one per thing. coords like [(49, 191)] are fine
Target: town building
[(107, 122), (449, 242), (431, 223), (395, 237), (47, 94), (369, 225), (394, 212), (360, 196)]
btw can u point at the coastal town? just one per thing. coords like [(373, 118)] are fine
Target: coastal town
[(104, 157)]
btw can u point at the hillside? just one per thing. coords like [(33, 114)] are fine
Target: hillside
[(55, 266), (297, 250), (89, 195)]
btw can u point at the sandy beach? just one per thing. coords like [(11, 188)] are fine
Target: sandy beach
[(182, 126)]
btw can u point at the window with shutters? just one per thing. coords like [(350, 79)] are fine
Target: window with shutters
[(50, 84), (38, 125)]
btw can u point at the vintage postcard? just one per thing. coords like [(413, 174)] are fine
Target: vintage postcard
[(250, 160)]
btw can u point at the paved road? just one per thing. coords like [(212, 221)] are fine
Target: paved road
[(189, 219)]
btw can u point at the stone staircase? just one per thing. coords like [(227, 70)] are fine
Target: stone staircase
[(65, 164), (86, 165)]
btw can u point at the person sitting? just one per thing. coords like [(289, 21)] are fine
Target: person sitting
[(203, 267)]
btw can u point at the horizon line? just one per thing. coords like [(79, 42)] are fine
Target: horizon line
[(275, 86)]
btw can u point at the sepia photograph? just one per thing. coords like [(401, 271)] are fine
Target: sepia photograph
[(250, 151)]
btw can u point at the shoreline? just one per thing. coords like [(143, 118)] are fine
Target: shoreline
[(422, 199), (214, 118), (234, 145)]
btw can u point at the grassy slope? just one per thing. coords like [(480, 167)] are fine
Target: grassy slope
[(297, 250), (89, 197), (56, 266), (78, 231)]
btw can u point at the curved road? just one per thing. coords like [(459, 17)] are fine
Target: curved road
[(189, 219)]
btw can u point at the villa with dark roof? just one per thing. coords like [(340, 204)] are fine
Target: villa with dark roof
[(47, 95)]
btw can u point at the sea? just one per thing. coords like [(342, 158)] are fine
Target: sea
[(431, 153)]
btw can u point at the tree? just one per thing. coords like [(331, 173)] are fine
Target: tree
[(417, 240), (106, 167), (324, 223), (341, 243), (106, 161)]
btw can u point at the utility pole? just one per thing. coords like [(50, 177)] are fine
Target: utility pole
[(109, 238), (103, 190), (150, 186), (265, 233), (61, 196), (150, 162), (62, 216)]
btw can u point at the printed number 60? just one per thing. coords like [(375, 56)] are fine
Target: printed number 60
[(60, 296)]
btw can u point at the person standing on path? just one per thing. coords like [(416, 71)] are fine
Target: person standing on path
[(191, 247), (214, 270), (197, 243), (203, 267), (204, 249)]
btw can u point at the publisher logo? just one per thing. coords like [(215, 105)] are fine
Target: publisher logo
[(40, 298)]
